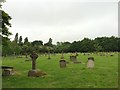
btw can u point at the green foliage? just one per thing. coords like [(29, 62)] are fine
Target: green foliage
[(20, 41), (26, 41), (49, 43), (37, 43), (62, 47), (99, 44), (16, 38), (5, 24)]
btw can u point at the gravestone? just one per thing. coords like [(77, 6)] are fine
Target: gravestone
[(49, 55), (62, 63), (7, 71), (34, 72), (90, 63), (34, 56), (62, 57), (73, 58)]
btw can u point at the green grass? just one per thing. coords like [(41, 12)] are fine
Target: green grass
[(104, 75)]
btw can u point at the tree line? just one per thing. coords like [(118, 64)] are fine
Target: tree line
[(100, 44)]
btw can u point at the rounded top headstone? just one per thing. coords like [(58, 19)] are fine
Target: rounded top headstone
[(62, 61)]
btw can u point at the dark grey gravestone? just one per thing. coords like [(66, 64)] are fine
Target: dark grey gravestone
[(33, 72), (73, 58), (62, 63)]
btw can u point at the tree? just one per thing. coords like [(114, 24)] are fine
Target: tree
[(20, 41), (25, 50), (26, 41), (5, 24), (63, 46), (5, 19), (4, 31), (97, 47), (49, 43), (16, 38), (37, 43), (16, 48), (74, 47)]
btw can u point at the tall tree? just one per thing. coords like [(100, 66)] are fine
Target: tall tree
[(20, 40), (16, 38), (49, 43), (4, 30), (5, 19), (26, 40)]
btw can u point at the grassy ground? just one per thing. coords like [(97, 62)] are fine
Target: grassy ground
[(104, 75)]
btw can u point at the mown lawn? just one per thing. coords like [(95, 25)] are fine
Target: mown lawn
[(104, 75)]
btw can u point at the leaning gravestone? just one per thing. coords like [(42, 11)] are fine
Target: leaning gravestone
[(90, 63), (62, 63)]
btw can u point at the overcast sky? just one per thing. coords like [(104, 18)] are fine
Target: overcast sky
[(62, 20)]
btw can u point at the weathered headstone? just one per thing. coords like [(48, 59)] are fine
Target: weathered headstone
[(62, 57), (73, 58), (62, 63), (49, 55), (7, 71), (90, 63), (34, 72), (33, 56)]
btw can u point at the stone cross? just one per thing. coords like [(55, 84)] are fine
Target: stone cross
[(33, 56)]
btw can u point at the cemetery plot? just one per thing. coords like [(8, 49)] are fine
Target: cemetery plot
[(103, 75)]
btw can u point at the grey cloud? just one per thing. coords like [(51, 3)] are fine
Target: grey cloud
[(62, 20)]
